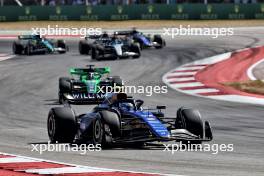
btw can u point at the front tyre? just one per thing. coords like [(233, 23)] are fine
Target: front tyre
[(61, 124), (158, 39), (64, 87)]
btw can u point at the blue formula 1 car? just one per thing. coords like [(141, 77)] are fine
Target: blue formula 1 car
[(34, 44), (145, 41), (120, 119), (105, 47)]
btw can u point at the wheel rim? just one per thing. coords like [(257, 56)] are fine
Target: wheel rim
[(97, 130), (51, 126)]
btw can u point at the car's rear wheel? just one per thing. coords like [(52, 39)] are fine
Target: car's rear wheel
[(97, 131), (84, 48), (29, 49), (17, 49), (95, 54), (61, 124)]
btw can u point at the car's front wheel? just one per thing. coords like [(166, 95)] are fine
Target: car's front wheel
[(61, 124)]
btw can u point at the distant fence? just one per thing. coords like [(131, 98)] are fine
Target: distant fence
[(133, 12)]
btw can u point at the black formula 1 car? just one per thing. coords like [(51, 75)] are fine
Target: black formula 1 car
[(34, 44), (105, 46), (120, 119), (145, 41), (87, 85)]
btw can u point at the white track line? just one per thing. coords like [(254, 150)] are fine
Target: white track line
[(182, 73), (239, 99), (181, 79), (191, 68), (16, 160), (74, 166), (4, 56), (196, 91), (251, 68), (66, 170), (194, 84)]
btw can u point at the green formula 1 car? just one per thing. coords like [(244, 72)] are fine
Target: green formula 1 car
[(87, 85)]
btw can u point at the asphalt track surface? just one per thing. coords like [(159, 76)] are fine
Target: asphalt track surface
[(29, 89)]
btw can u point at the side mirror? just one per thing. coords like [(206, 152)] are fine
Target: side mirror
[(139, 103), (161, 107)]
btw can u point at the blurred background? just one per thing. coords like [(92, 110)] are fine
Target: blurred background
[(116, 2)]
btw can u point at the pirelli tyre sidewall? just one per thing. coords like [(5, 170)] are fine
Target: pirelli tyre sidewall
[(190, 119), (84, 48), (17, 48), (61, 125), (160, 41), (65, 86)]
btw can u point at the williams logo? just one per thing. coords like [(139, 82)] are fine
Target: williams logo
[(27, 10), (87, 96), (119, 9), (89, 10)]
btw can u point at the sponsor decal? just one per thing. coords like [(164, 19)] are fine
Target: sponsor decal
[(87, 96)]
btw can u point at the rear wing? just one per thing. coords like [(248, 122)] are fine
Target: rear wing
[(84, 71), (25, 37)]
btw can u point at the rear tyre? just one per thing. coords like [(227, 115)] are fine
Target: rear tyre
[(113, 121), (97, 131), (84, 48), (29, 49), (17, 49), (61, 125), (95, 54)]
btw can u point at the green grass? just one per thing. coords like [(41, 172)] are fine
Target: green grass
[(255, 87)]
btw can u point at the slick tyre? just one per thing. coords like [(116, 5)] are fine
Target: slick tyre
[(95, 54), (62, 44), (17, 49), (83, 48), (112, 119), (160, 41), (136, 49), (29, 50), (97, 132), (64, 87), (190, 120), (61, 125)]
